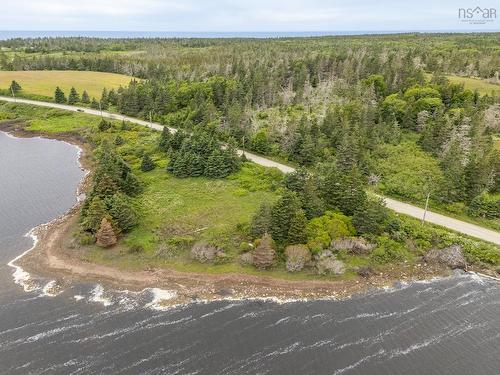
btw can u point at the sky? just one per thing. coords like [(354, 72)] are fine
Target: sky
[(254, 15)]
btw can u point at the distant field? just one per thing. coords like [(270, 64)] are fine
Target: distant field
[(480, 85), (44, 82), (496, 140)]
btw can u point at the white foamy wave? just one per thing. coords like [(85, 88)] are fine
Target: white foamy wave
[(159, 297), (98, 296), (21, 277), (78, 297), (51, 289)]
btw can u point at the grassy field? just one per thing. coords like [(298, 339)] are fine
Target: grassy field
[(44, 82), (480, 85), (496, 140)]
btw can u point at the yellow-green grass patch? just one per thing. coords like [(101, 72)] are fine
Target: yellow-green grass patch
[(44, 82), (482, 86)]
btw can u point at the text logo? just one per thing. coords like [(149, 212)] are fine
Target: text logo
[(477, 15)]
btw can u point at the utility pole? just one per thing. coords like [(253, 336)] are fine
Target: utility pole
[(151, 119), (100, 108), (12, 91), (426, 207)]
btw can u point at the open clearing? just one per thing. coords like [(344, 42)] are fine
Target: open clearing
[(472, 84), (44, 82)]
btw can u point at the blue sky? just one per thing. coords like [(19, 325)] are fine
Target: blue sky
[(227, 15)]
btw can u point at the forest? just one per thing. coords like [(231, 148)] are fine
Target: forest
[(356, 115)]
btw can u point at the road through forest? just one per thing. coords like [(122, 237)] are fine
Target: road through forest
[(400, 207)]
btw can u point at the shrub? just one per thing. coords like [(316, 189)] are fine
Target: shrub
[(264, 254), (203, 252), (389, 250), (147, 163), (105, 236), (136, 249), (296, 257), (486, 205), (322, 230)]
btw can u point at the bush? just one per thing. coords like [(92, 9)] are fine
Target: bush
[(264, 254), (147, 163), (296, 257), (373, 218), (486, 205), (389, 250), (136, 249), (203, 252), (322, 230)]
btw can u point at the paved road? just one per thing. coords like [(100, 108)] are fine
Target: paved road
[(400, 207), (445, 221)]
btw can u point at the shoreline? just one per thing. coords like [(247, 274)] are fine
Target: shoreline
[(50, 257)]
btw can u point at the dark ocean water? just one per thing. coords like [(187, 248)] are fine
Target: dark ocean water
[(450, 326)]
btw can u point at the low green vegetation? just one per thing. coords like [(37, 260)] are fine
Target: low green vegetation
[(43, 83), (352, 114), (473, 84)]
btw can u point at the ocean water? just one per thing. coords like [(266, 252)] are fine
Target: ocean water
[(448, 326)]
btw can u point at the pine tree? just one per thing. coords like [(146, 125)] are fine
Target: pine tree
[(263, 255), (261, 221), (94, 104), (281, 215), (147, 163), (118, 141), (85, 97), (73, 97), (131, 185), (165, 137), (177, 140), (297, 231), (216, 166), (92, 217), (104, 99), (352, 195), (122, 212), (59, 96), (105, 236), (104, 125), (15, 87)]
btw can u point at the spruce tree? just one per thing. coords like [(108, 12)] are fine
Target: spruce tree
[(91, 219), (118, 141), (352, 195), (94, 104), (15, 87), (165, 137), (104, 125), (122, 212), (131, 184), (73, 97), (264, 254), (59, 96), (105, 236), (104, 99), (261, 221), (297, 231), (282, 213), (216, 166), (147, 163), (85, 97)]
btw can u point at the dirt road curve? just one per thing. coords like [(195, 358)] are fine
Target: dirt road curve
[(400, 207)]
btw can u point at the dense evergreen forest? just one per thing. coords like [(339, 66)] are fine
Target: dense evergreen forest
[(379, 108)]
